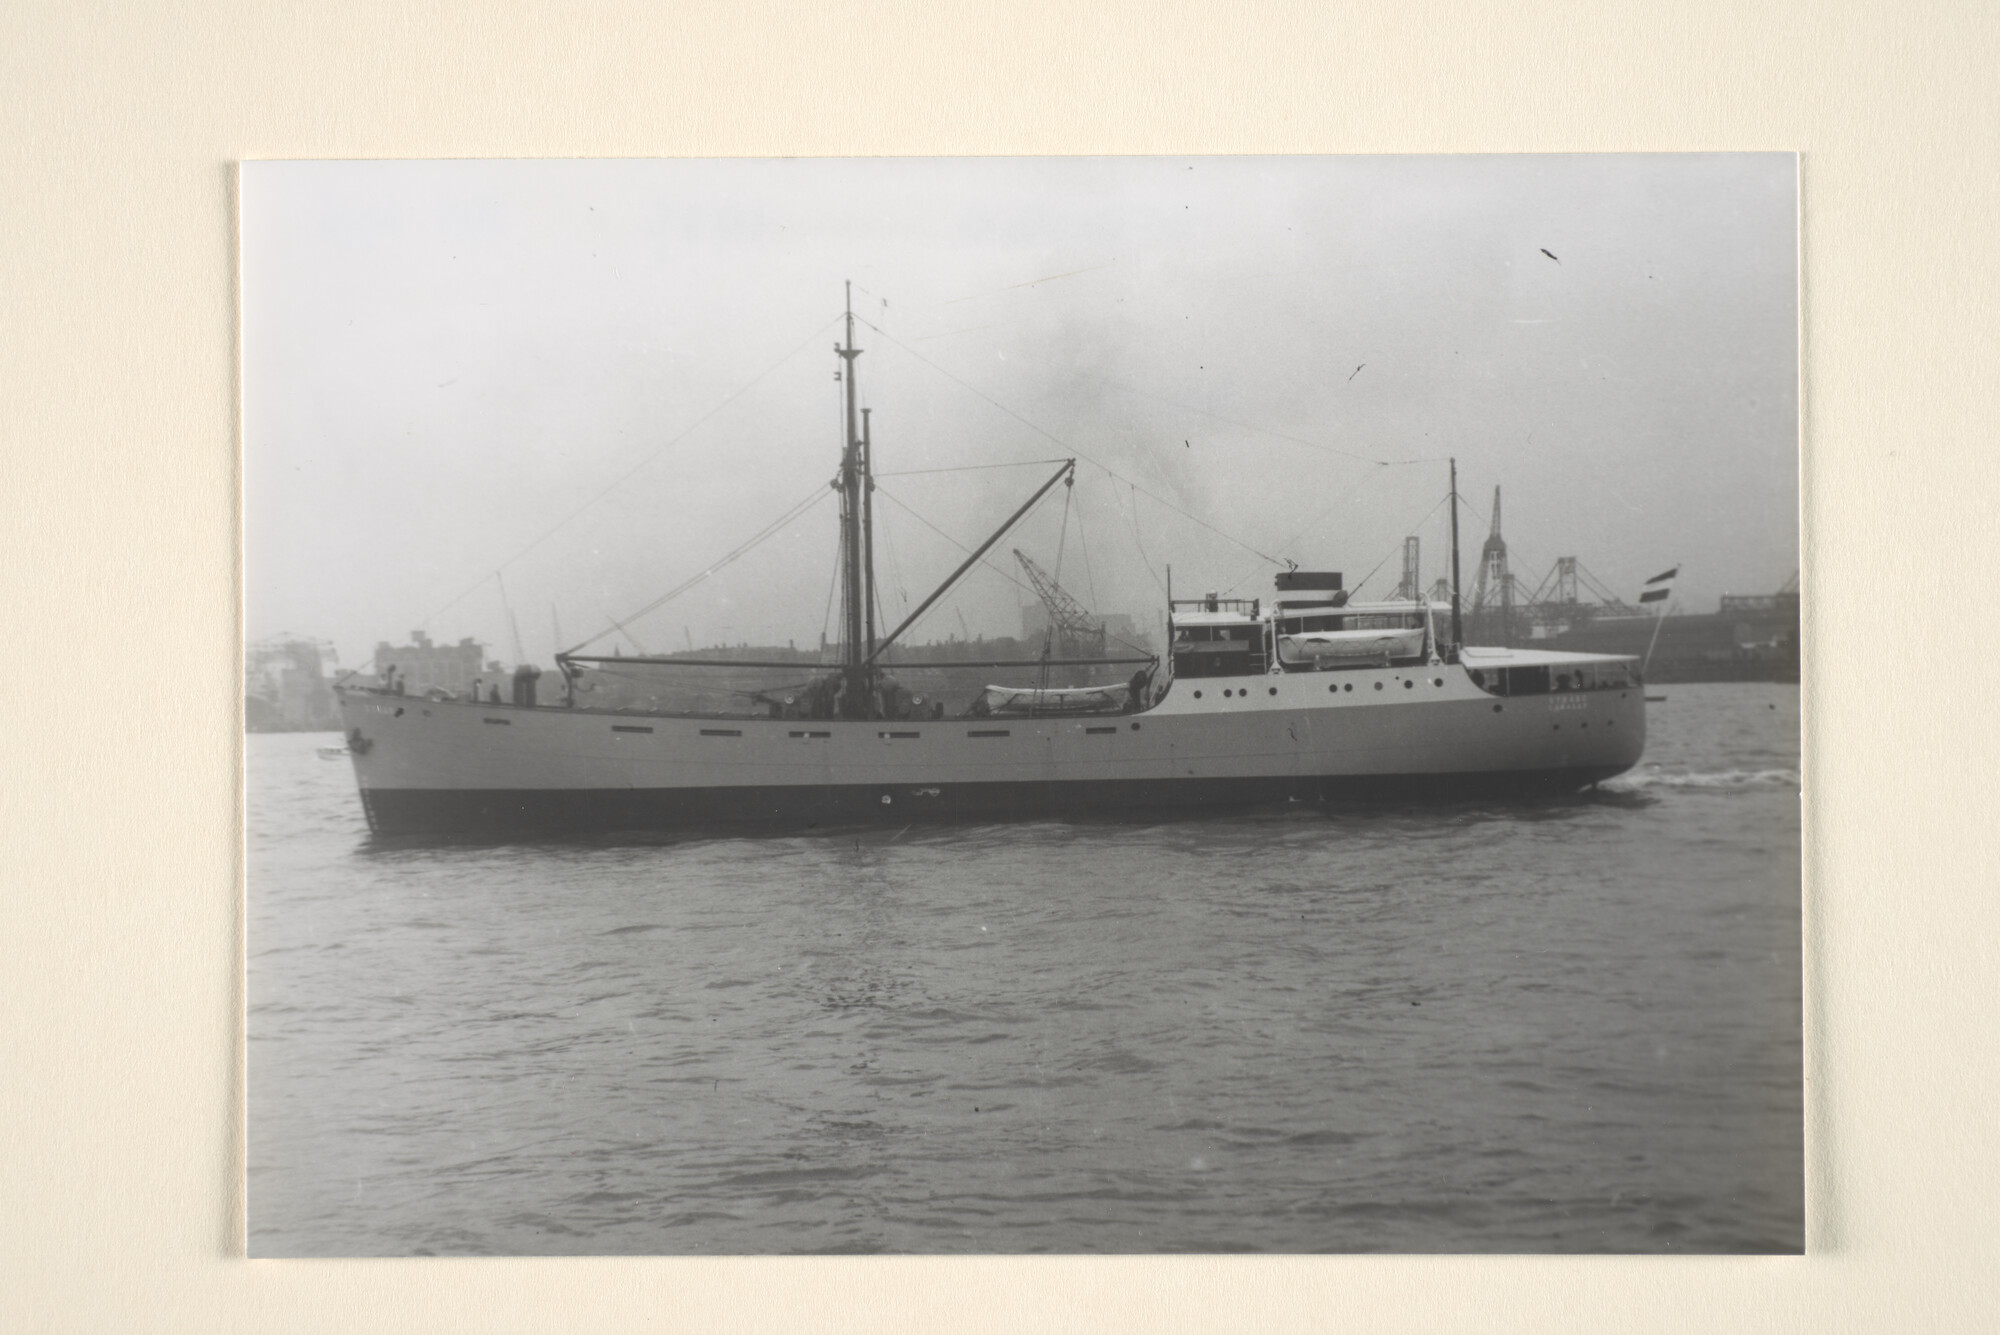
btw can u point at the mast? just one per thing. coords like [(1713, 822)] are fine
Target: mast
[(868, 529), (1457, 627), (852, 573)]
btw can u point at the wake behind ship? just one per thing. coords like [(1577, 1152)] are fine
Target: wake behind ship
[(1309, 696)]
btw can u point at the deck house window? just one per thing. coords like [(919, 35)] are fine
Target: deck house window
[(1512, 681), (1219, 651)]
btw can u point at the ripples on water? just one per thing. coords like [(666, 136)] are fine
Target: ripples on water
[(1563, 1026)]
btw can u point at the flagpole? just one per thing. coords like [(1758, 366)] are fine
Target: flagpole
[(1665, 595), (1647, 661)]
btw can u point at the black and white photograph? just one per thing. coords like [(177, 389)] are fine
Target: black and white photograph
[(924, 706)]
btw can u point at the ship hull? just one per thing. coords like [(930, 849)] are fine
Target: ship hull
[(581, 810), (1370, 735)]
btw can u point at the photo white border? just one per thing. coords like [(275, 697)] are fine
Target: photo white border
[(121, 923)]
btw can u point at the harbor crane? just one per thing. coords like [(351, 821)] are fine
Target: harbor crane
[(1072, 632)]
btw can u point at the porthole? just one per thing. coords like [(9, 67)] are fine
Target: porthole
[(1496, 709), (1274, 690), (1227, 693), (1410, 685), (1135, 727), (1437, 681), (1333, 688), (1197, 695), (1378, 685), (1349, 686)]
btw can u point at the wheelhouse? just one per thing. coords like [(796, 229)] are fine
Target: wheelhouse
[(1219, 637)]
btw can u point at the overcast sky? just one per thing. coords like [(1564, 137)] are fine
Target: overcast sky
[(597, 378)]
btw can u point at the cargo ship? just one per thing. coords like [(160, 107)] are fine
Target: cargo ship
[(1305, 696)]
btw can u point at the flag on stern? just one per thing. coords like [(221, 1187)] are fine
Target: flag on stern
[(1665, 580)]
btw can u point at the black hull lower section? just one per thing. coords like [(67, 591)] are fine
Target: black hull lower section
[(565, 811)]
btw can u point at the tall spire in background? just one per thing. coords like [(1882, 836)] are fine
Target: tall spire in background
[(1494, 589)]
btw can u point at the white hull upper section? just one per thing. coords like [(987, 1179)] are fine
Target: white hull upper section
[(1408, 721)]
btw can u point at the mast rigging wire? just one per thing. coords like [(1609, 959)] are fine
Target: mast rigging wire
[(1065, 474), (889, 496), (1355, 592), (1133, 389), (895, 568), (1062, 541), (1015, 287), (1139, 544), (818, 494), (1062, 534), (826, 618), (1043, 431), (1083, 542), (968, 468), (1001, 572), (631, 472), (1346, 498)]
